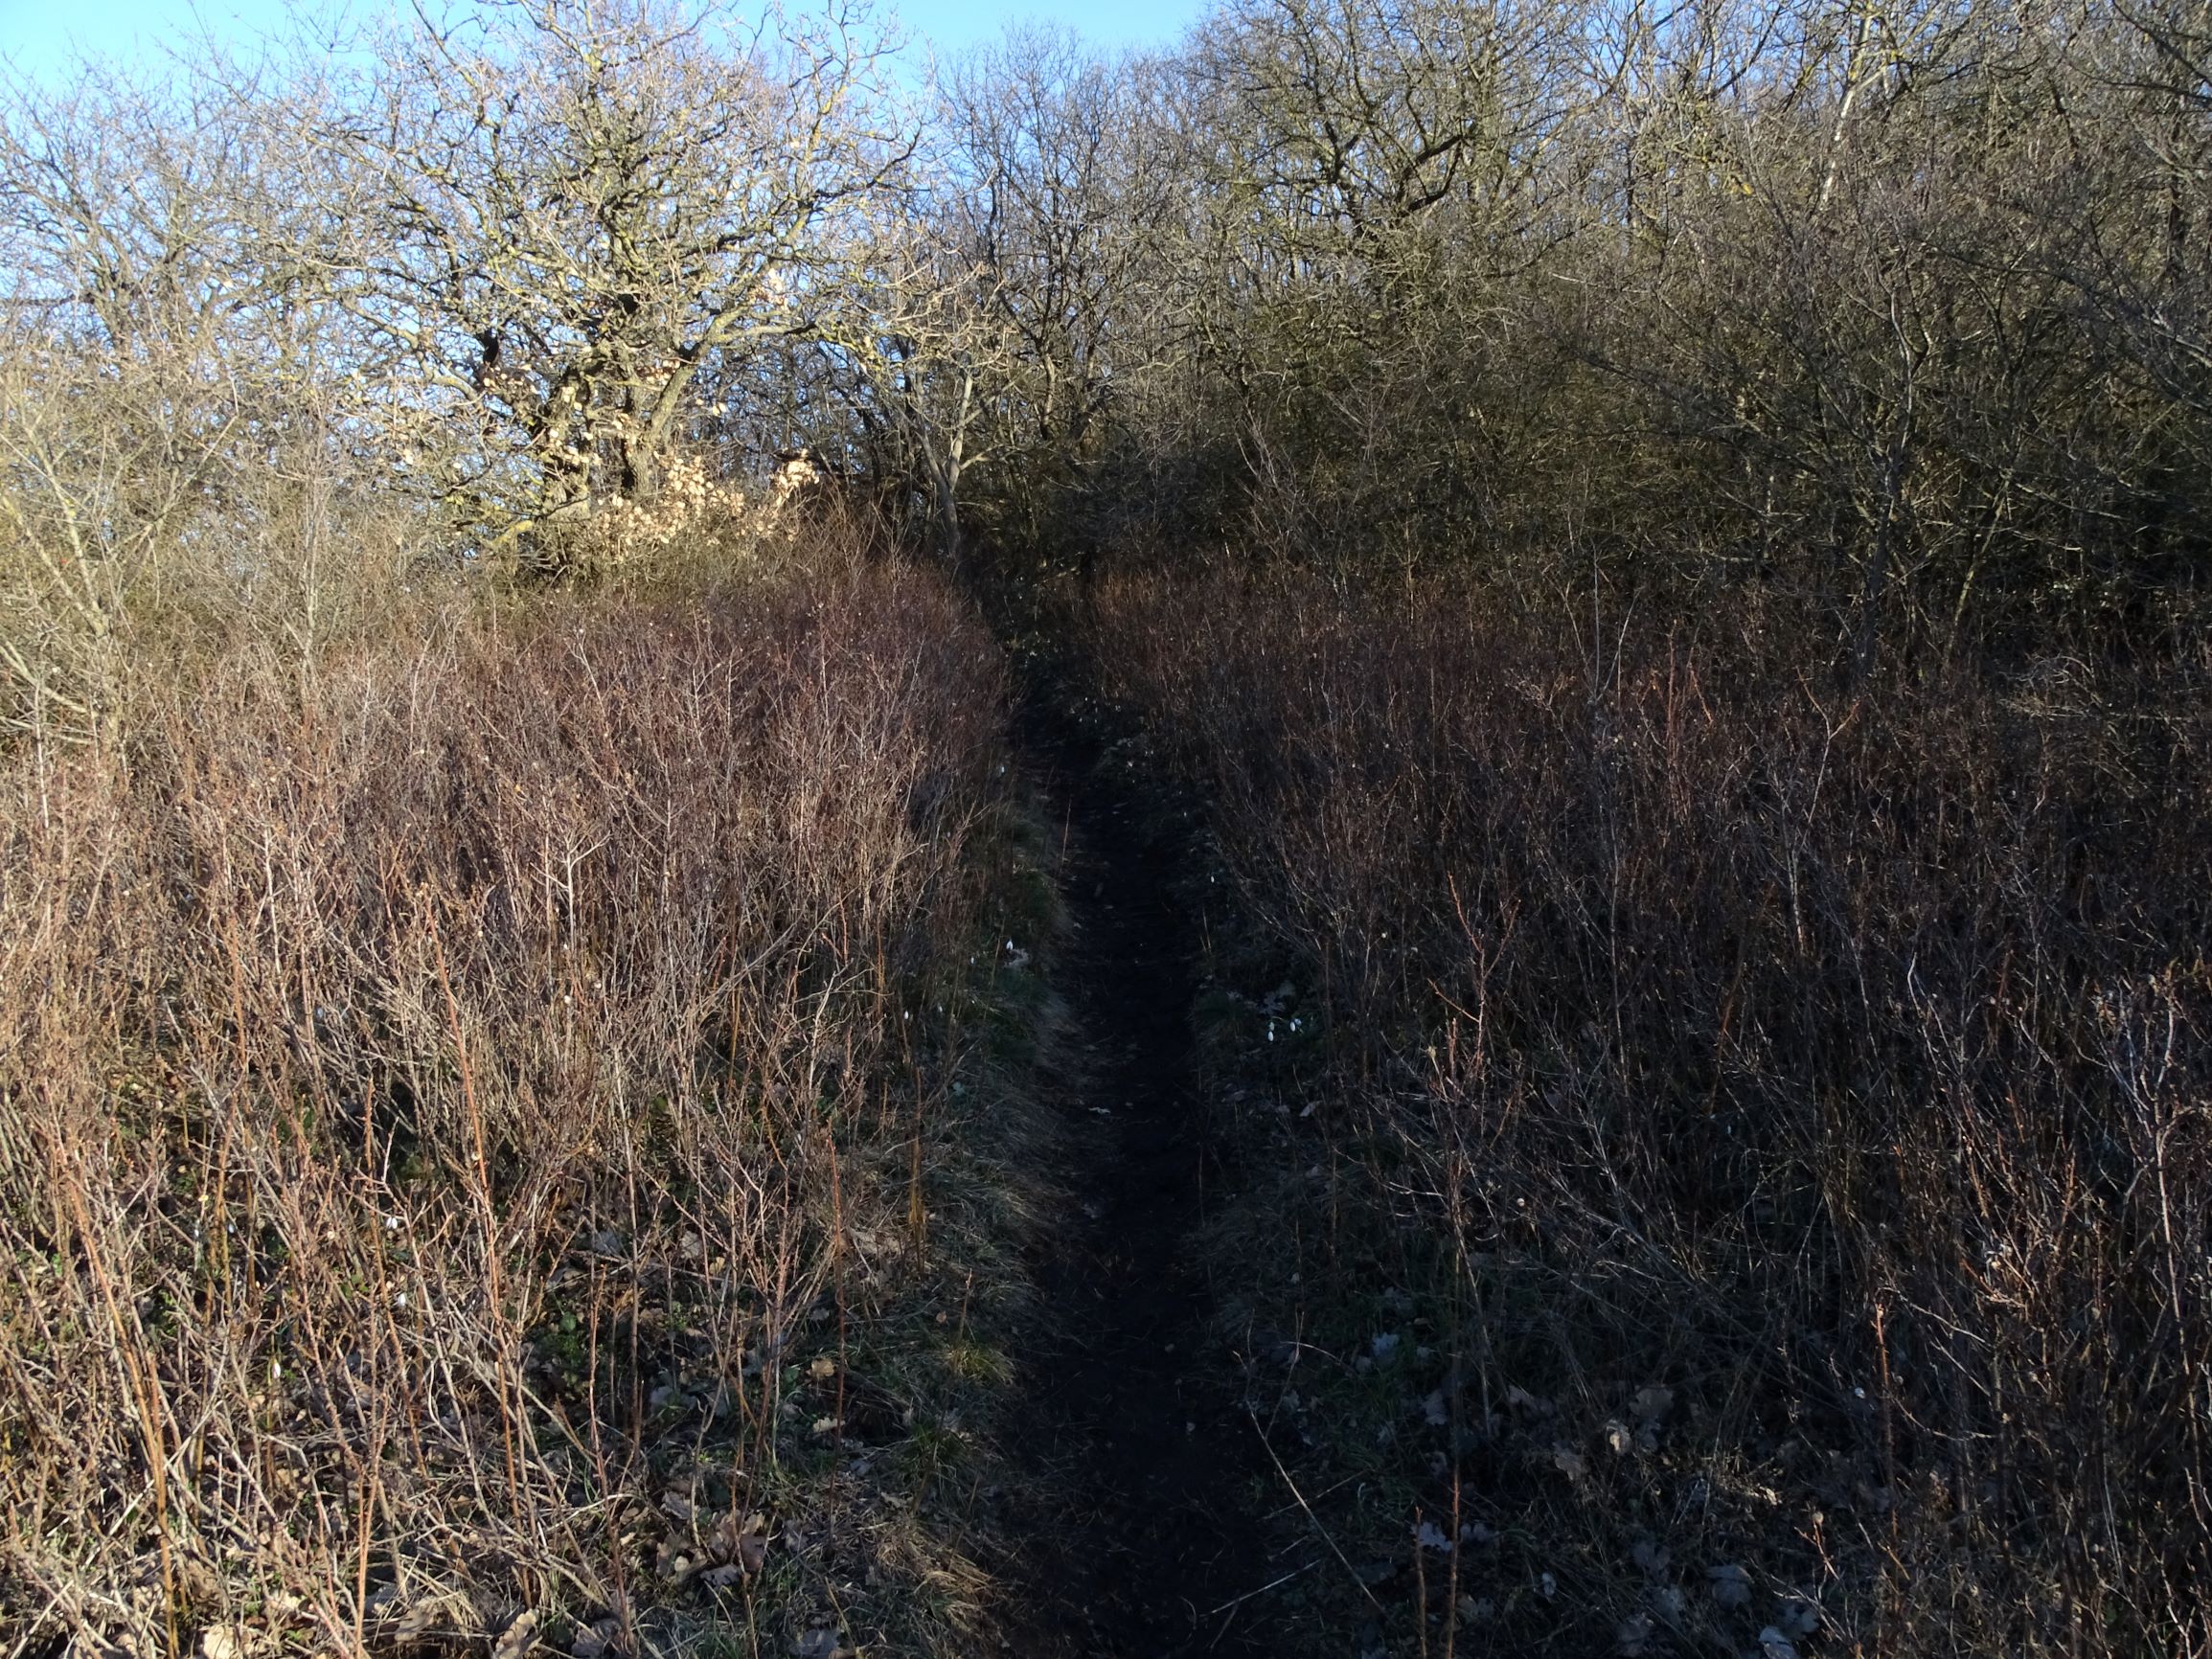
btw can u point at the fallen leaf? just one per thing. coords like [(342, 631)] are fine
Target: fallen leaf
[(673, 1562), (1651, 1403), (517, 1639), (415, 1622), (1800, 1616), (823, 1367), (1633, 1634), (1431, 1536), (1434, 1410), (1569, 1462), (723, 1542), (752, 1551), (1731, 1586), (1773, 1645), (220, 1642)]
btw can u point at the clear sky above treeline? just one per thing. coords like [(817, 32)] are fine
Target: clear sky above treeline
[(42, 37)]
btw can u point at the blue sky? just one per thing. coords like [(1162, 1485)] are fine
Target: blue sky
[(38, 35)]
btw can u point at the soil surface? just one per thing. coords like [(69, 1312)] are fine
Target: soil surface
[(1134, 1428)]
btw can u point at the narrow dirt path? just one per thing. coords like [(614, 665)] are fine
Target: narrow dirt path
[(1138, 1435)]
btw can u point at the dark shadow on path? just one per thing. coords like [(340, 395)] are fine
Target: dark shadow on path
[(1134, 1429)]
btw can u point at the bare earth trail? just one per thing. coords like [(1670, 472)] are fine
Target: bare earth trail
[(1134, 1432)]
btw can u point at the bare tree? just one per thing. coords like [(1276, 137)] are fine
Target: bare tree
[(1061, 176), (565, 213), (162, 369)]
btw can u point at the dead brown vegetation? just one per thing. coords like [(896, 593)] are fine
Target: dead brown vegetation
[(1773, 1117), (464, 1107), (1710, 729)]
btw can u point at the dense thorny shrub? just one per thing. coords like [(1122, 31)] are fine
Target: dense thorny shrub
[(439, 1093), (1835, 1062)]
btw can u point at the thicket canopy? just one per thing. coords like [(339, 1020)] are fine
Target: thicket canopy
[(1895, 310)]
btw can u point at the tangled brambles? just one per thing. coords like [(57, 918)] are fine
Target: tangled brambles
[(460, 1154), (1749, 1147)]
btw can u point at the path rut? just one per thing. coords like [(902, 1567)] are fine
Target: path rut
[(1136, 1423)]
